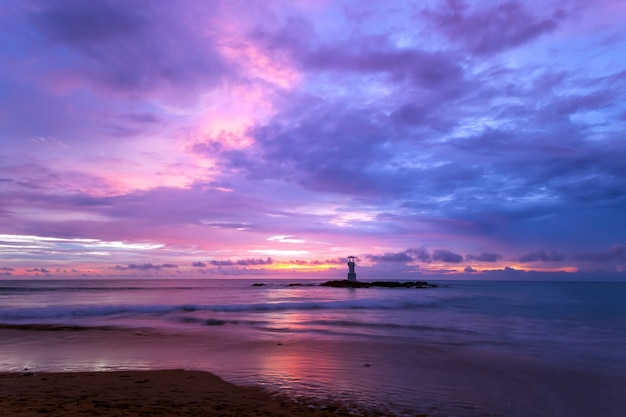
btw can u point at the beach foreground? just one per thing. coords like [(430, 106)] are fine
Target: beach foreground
[(148, 393)]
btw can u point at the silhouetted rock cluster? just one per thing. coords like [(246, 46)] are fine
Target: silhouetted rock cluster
[(360, 284), (384, 284), (344, 283)]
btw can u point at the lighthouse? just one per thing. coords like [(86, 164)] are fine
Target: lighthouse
[(351, 265)]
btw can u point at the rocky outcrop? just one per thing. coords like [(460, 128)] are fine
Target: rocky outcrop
[(345, 284), (382, 284), (360, 284)]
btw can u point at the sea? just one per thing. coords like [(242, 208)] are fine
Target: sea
[(462, 349)]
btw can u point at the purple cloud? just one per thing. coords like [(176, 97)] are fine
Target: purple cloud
[(246, 262), (425, 69), (390, 257), (484, 257), (492, 29), (144, 267), (198, 264), (129, 47), (315, 153), (335, 261), (542, 256), (242, 262), (420, 254), (616, 253), (446, 256), (42, 270)]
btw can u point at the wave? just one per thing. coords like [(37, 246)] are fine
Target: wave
[(80, 311), (53, 327), (220, 322), (30, 290), (350, 323)]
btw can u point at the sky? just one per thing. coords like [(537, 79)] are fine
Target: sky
[(240, 138)]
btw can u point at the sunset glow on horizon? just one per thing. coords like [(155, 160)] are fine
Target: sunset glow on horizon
[(235, 138)]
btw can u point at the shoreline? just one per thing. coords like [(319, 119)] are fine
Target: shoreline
[(154, 393)]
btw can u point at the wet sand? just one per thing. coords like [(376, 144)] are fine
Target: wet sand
[(117, 372), (148, 393)]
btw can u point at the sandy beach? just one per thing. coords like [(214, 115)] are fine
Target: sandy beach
[(148, 393)]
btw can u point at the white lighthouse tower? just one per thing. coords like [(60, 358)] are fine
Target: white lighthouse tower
[(351, 265)]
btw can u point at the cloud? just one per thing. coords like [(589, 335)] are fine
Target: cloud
[(143, 212), (42, 270), (315, 150), (426, 69), (198, 264), (7, 269), (616, 253), (335, 261), (140, 267), (417, 255), (242, 262), (542, 256), (492, 29), (355, 150), (130, 47), (469, 269), (222, 263), (446, 256), (484, 257), (363, 55), (267, 261), (390, 257), (420, 254)]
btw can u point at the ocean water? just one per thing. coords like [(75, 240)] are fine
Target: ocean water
[(466, 348)]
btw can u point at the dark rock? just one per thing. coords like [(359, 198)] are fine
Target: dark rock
[(345, 284), (408, 284), (381, 284), (392, 284)]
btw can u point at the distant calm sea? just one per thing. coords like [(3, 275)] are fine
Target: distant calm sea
[(467, 348)]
